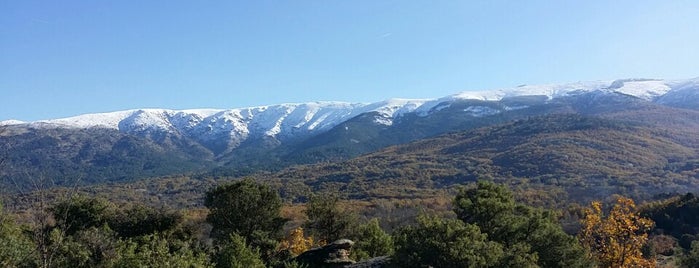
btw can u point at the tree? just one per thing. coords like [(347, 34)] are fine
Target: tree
[(91, 247), (80, 212), (248, 209), (296, 243), (492, 208), (139, 220), (155, 250), (235, 253), (371, 241), (444, 243), (326, 221), (691, 258), (489, 206), (617, 239), (16, 250)]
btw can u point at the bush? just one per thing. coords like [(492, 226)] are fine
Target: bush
[(235, 253), (444, 243)]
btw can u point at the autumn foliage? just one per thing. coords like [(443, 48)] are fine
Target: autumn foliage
[(296, 242), (616, 240)]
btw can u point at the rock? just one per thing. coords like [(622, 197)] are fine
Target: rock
[(335, 254)]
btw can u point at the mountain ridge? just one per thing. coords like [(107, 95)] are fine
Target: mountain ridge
[(235, 142), (648, 89)]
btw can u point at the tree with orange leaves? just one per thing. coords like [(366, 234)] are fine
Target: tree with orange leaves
[(616, 240), (296, 242)]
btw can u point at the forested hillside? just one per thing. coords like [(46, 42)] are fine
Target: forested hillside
[(579, 157)]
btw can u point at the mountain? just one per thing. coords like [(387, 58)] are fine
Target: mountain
[(558, 158), (154, 142)]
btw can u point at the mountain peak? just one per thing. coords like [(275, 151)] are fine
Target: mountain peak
[(292, 120)]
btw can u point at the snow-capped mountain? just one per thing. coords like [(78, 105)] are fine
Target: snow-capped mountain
[(152, 142), (293, 121), (285, 120)]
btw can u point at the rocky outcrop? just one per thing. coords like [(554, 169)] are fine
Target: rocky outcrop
[(333, 255), (336, 255)]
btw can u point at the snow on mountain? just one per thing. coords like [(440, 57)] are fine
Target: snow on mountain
[(684, 93), (391, 109), (550, 91), (11, 122), (647, 89), (287, 121)]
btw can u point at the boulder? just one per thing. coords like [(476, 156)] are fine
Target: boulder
[(333, 255)]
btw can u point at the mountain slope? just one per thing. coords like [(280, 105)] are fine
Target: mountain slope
[(245, 140), (353, 138), (585, 157), (94, 155)]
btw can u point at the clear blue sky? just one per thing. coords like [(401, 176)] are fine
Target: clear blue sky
[(64, 58)]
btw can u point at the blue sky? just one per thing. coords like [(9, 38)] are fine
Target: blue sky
[(64, 58)]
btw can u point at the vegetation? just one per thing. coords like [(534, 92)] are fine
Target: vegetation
[(552, 161), (491, 197), (235, 253), (16, 249), (94, 156), (525, 229), (617, 239), (297, 242), (677, 216), (548, 161), (246, 209), (371, 241), (666, 136), (445, 243), (488, 228), (326, 221)]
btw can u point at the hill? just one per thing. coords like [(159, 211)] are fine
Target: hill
[(563, 156)]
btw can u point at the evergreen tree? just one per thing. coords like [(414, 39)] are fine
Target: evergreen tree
[(493, 208), (159, 251), (81, 212), (248, 209), (139, 220), (444, 243), (92, 247), (371, 241), (235, 253), (326, 221)]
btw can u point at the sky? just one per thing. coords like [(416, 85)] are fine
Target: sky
[(66, 58)]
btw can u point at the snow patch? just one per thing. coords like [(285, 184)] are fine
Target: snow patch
[(383, 120), (550, 90), (481, 111), (644, 89), (11, 122), (512, 108), (441, 107)]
